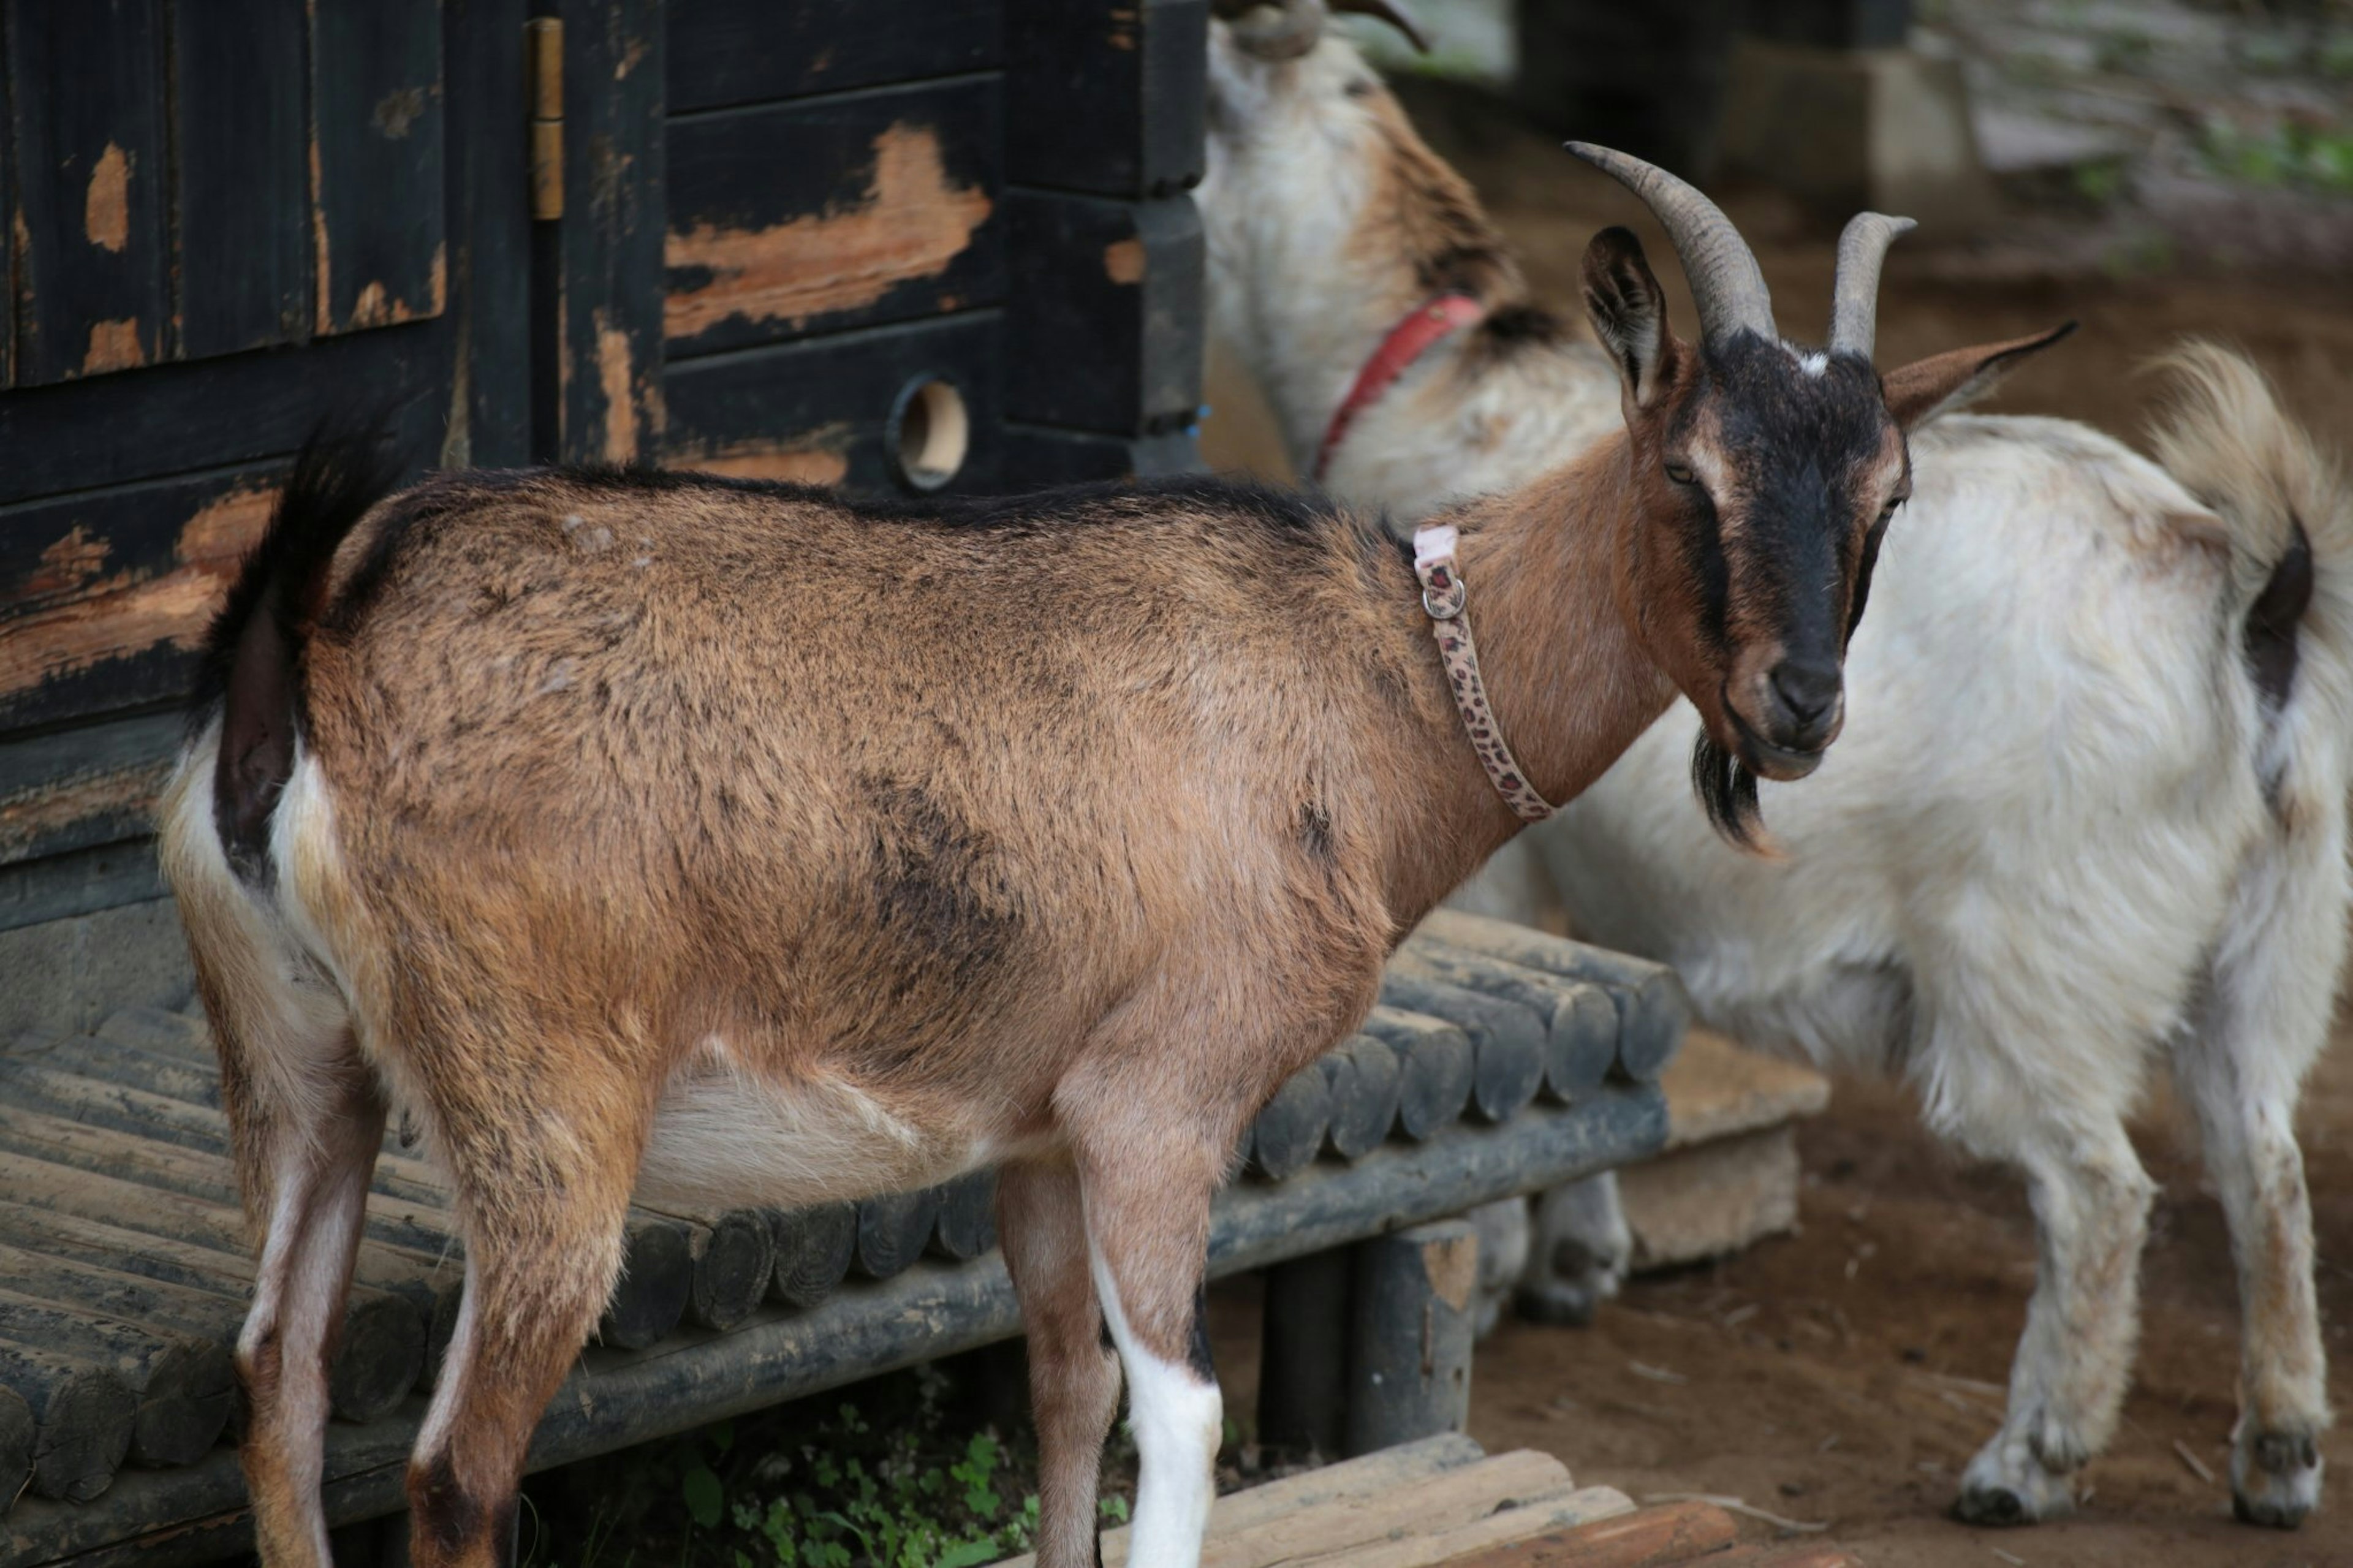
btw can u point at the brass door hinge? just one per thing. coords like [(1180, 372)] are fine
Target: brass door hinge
[(543, 49)]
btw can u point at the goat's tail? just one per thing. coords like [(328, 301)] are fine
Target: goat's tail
[(251, 669)]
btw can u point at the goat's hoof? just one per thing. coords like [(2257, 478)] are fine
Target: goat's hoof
[(1559, 1304), (2275, 1478), (1993, 1493)]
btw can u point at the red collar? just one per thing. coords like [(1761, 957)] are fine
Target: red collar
[(1407, 342)]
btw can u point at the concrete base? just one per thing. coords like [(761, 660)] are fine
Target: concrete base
[(66, 975), (1728, 1175), (1849, 130)]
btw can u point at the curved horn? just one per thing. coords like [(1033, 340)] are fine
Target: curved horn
[(1394, 12), (1854, 298), (1274, 30), (1724, 279)]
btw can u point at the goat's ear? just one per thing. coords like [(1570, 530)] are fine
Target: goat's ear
[(1628, 312), (1938, 384)]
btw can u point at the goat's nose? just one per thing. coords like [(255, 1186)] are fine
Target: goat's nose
[(1808, 688)]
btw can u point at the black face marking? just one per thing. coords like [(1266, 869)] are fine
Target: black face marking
[(1198, 1354), (1800, 445)]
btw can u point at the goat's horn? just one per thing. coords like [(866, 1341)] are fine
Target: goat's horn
[(1854, 298), (1724, 279), (1394, 12), (1274, 30)]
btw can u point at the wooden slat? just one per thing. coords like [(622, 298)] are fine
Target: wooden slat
[(1586, 1505), (86, 92), (726, 52), (798, 219), (73, 789), (240, 178), (1107, 99), (489, 236), (379, 245), (1039, 454), (1648, 1538), (182, 1381), (1106, 326), (608, 391), (816, 410)]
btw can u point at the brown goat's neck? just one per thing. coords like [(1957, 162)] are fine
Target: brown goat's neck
[(1568, 682)]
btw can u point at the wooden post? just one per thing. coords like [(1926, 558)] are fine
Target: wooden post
[(1362, 1077), (1290, 1128), (1508, 1040), (1434, 1063), (814, 1246), (966, 1225), (1410, 1322), (894, 1230), (1302, 1376)]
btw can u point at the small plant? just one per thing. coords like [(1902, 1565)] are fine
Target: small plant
[(2285, 153)]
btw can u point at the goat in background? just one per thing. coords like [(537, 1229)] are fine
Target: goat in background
[(754, 844), (2137, 851)]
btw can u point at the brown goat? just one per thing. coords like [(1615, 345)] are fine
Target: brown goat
[(740, 839)]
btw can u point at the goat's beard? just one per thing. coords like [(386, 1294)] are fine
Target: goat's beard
[(1727, 790)]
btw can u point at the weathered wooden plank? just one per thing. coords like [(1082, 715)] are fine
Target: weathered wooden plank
[(1459, 1540), (726, 52), (734, 1258), (657, 1280), (1654, 1010), (1106, 327), (817, 412), (1037, 455), (1410, 1316), (73, 789), (183, 1381), (83, 1416), (379, 247), (17, 1434), (240, 409), (1656, 1537), (814, 1248), (850, 211), (1107, 99), (78, 881), (240, 179), (86, 90), (489, 236), (608, 391), (92, 1056)]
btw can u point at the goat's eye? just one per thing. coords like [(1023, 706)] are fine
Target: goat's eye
[(1680, 473)]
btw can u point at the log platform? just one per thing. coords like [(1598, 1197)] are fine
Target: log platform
[(1444, 1500), (1504, 1062)]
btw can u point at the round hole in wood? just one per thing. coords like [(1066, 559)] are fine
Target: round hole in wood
[(929, 433)]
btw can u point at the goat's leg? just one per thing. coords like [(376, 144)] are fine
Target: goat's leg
[(544, 1243), (2263, 1020), (2068, 1377), (1579, 1252), (320, 1155), (1148, 1213), (1073, 1371)]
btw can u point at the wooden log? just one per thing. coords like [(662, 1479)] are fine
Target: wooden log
[(657, 1280), (1654, 1008), (1580, 1020), (966, 1225), (180, 1034), (1647, 1538), (1447, 1500), (1289, 1129), (87, 1216), (1303, 1380), (893, 1230), (96, 1056), (1411, 1314), (1434, 1067), (378, 1359), (17, 1437), (814, 1248), (1502, 1528), (83, 1418), (1362, 1075), (732, 1255), (1508, 1040), (183, 1381)]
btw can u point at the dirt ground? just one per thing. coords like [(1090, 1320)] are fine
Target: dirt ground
[(1844, 1374)]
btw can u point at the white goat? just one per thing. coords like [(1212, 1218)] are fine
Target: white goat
[(2143, 852)]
